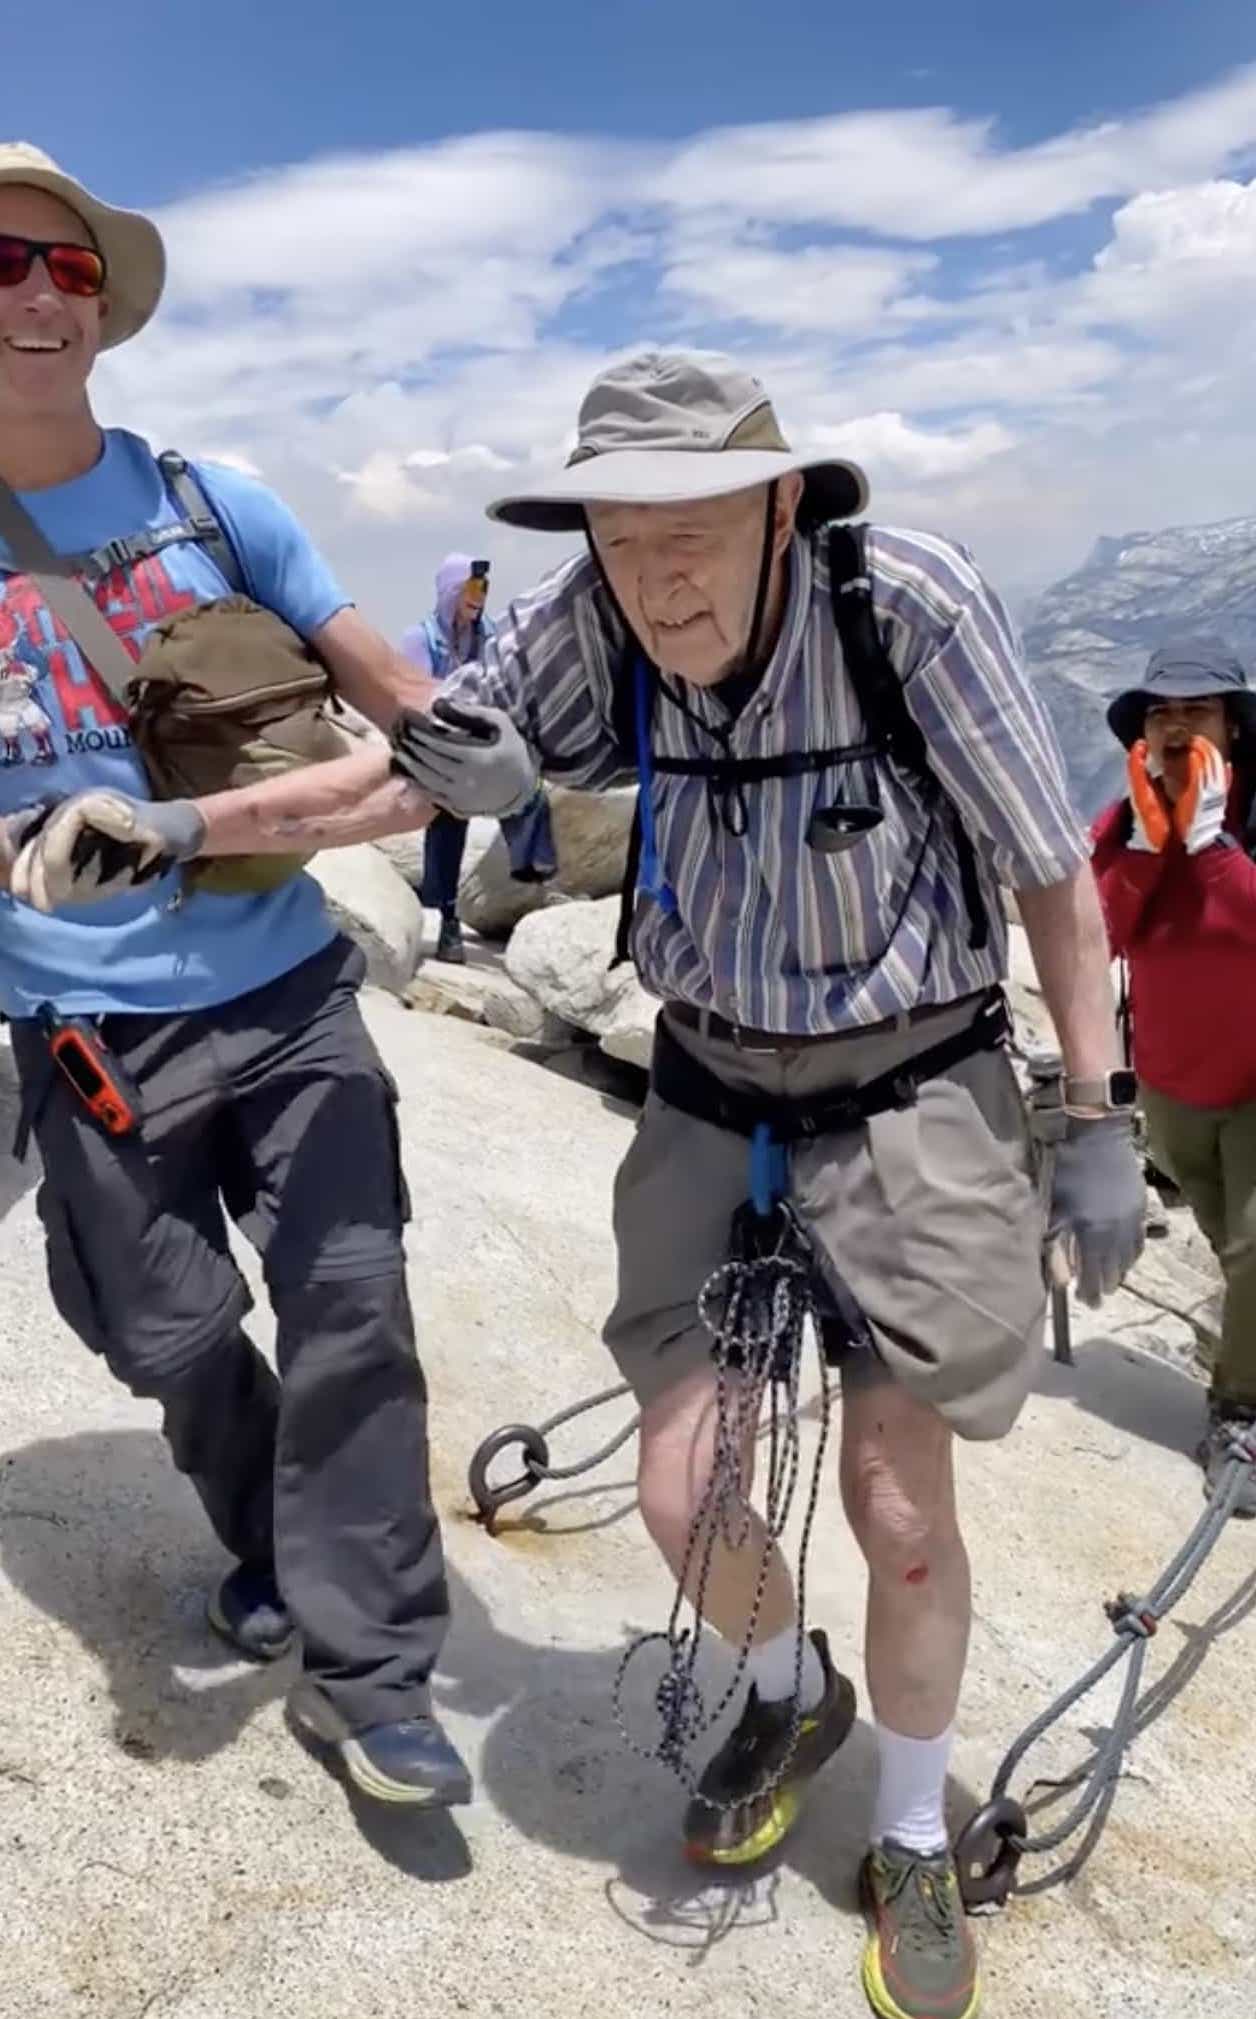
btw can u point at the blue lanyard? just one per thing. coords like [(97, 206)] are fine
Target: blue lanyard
[(650, 876)]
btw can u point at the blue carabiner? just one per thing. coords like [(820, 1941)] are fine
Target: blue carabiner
[(769, 1170)]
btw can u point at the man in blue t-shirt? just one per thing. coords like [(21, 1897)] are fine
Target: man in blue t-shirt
[(235, 1018)]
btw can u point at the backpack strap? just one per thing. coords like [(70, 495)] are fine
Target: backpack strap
[(57, 578), (883, 704), (201, 521)]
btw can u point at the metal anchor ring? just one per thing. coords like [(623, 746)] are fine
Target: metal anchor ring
[(988, 1851), (490, 1499)]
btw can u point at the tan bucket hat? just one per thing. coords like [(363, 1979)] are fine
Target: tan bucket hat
[(675, 427), (134, 256)]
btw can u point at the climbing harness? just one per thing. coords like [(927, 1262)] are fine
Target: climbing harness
[(991, 1845), (681, 1082)]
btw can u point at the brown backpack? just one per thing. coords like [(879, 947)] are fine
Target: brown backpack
[(223, 694), (226, 694)]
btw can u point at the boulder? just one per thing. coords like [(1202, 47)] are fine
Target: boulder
[(405, 851), (482, 993), (561, 957), (591, 831), (375, 905)]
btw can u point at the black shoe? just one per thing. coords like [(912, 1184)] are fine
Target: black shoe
[(728, 1822), (408, 1761), (449, 945), (249, 1614)]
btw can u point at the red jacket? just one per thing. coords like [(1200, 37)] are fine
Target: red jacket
[(1187, 926)]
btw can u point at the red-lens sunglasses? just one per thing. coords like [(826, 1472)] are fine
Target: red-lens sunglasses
[(72, 269)]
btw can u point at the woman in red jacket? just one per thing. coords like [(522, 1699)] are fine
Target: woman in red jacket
[(1178, 882)]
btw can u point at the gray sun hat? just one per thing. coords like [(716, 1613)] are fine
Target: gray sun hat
[(130, 245), (1186, 669), (676, 427)]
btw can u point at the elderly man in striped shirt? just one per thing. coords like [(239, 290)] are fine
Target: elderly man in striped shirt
[(841, 759)]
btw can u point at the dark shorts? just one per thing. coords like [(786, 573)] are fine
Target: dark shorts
[(930, 1215)]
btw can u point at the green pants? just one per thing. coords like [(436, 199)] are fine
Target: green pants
[(1210, 1153)]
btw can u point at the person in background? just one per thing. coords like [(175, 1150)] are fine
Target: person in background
[(453, 632), (1178, 883)]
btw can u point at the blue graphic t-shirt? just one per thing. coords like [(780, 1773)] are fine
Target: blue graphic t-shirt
[(164, 948)]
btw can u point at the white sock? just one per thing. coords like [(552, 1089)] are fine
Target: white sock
[(772, 1663), (911, 1789)]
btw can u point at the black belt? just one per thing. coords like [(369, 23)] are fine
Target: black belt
[(678, 1078), (709, 1024)]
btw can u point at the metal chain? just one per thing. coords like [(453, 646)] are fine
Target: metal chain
[(755, 1307)]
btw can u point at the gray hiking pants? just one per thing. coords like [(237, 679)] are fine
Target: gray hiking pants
[(278, 1109)]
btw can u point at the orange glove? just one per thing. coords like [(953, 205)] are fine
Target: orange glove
[(1199, 814), (1152, 820)]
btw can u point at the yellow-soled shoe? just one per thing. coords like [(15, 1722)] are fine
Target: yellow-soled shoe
[(920, 1961), (728, 1822)]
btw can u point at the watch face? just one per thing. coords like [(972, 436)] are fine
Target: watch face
[(1123, 1088)]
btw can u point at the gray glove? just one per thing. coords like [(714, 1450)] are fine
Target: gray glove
[(1098, 1201), (99, 844), (467, 759)]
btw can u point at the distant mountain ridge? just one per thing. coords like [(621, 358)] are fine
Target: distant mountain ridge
[(1091, 634)]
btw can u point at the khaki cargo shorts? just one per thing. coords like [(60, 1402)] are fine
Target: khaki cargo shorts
[(930, 1214)]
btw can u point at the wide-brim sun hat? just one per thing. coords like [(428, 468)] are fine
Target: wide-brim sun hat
[(678, 427), (1185, 669), (130, 245)]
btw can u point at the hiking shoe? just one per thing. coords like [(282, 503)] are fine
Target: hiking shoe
[(729, 1822), (449, 945), (920, 1961), (1216, 1449), (408, 1761), (249, 1614)]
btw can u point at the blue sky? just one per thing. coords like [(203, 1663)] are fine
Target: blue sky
[(1009, 266)]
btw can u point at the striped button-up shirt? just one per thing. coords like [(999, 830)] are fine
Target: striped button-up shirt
[(767, 931)]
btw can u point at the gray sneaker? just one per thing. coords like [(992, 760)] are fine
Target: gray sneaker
[(1230, 1432), (920, 1961)]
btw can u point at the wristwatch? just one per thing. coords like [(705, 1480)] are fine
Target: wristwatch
[(1115, 1091)]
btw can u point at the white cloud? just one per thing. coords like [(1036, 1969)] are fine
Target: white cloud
[(826, 290), (233, 459), (1178, 253), (396, 338), (898, 452), (926, 174)]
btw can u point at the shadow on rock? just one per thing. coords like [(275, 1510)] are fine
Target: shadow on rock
[(100, 1533), (1145, 1398), (556, 1767), (424, 1844)]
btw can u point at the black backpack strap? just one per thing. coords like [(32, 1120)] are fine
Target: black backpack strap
[(883, 704), (97, 566), (199, 523), (623, 722), (200, 520)]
